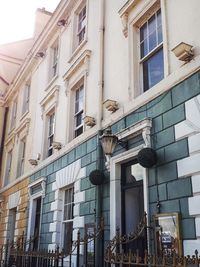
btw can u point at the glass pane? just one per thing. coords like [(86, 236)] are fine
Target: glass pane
[(153, 70), (81, 92), (137, 171), (76, 106), (152, 24), (51, 124), (144, 48), (69, 215), (84, 11), (50, 141), (23, 148), (143, 32), (65, 213), (66, 194), (77, 94), (160, 37), (79, 100), (133, 202), (81, 35), (159, 21), (67, 236), (146, 75), (79, 119), (152, 41), (78, 131), (50, 152), (69, 196), (22, 167), (130, 179), (55, 54)]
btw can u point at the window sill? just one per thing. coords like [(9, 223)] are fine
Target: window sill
[(77, 50), (51, 82)]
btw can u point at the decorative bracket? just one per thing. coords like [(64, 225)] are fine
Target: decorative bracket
[(124, 20), (146, 136)]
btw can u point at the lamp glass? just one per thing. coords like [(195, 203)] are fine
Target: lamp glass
[(108, 143)]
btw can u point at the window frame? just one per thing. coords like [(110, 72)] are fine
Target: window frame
[(81, 17), (26, 98), (8, 168), (21, 157), (50, 133), (69, 220), (151, 53), (79, 102), (133, 15), (54, 59), (11, 226), (76, 43), (13, 115)]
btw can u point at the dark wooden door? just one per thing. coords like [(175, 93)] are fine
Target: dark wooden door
[(132, 204)]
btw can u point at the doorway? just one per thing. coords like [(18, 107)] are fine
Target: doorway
[(37, 217), (132, 206)]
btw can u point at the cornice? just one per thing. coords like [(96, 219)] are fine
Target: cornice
[(127, 7), (83, 59), (63, 9), (23, 125), (52, 94)]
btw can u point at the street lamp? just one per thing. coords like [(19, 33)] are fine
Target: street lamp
[(108, 143)]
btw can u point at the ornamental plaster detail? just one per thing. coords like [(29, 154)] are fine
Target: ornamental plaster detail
[(72, 174)]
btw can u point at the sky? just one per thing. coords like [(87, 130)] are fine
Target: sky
[(17, 18)]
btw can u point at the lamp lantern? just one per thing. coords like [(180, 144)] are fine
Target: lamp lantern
[(108, 143)]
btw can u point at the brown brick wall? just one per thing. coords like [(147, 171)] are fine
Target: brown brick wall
[(22, 210)]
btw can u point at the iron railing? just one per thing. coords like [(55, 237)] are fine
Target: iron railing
[(119, 252), (20, 254)]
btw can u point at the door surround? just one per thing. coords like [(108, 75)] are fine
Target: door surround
[(115, 187)]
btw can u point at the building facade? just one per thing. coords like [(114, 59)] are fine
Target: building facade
[(100, 64)]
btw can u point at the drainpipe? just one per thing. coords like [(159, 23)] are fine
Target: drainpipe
[(99, 261), (101, 65), (3, 137)]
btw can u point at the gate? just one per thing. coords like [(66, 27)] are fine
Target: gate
[(117, 254)]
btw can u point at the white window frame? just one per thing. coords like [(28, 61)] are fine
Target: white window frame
[(48, 106), (8, 167), (65, 221), (80, 112), (154, 51), (81, 25), (133, 15), (50, 132), (54, 55), (76, 22), (74, 77), (26, 98), (21, 157), (32, 205), (13, 115)]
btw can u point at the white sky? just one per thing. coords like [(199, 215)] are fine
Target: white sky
[(17, 18)]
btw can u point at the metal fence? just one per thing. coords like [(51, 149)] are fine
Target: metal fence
[(120, 252), (134, 259), (20, 254)]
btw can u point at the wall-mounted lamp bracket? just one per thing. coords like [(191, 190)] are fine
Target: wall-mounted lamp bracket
[(109, 142), (123, 144)]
